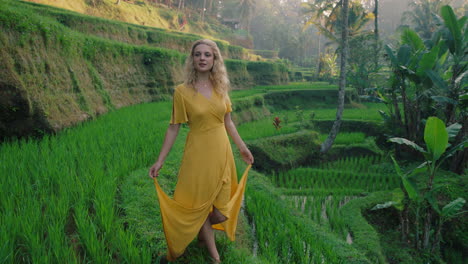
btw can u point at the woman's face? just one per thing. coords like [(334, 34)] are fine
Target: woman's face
[(203, 58)]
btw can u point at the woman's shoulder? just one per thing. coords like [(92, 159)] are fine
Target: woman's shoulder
[(184, 91), (182, 88)]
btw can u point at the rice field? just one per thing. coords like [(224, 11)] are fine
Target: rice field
[(292, 86), (369, 112), (63, 202), (324, 210), (285, 237), (291, 122), (350, 173), (321, 191), (299, 86), (68, 187)]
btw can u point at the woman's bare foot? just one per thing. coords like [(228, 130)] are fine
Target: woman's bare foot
[(207, 234)]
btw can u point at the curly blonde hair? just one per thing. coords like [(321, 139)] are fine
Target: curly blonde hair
[(218, 74)]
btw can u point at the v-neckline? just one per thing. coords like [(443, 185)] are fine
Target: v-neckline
[(207, 98)]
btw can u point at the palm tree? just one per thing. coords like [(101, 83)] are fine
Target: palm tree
[(326, 146), (422, 16), (325, 15), (376, 34)]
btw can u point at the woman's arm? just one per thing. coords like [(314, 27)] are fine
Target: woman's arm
[(169, 139), (232, 131)]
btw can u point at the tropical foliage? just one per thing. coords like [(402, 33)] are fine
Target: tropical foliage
[(428, 79), (428, 216)]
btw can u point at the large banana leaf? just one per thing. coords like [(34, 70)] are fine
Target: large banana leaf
[(410, 37), (436, 137), (451, 209), (403, 56), (453, 130), (428, 60), (455, 42), (410, 187), (437, 80), (407, 142)]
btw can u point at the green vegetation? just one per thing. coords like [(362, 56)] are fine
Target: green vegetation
[(68, 189), (100, 216), (83, 195), (368, 174), (286, 237), (129, 33), (88, 191), (285, 151), (60, 68), (365, 236)]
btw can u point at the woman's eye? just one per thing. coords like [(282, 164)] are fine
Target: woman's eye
[(208, 54)]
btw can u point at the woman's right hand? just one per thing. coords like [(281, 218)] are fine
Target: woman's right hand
[(154, 170)]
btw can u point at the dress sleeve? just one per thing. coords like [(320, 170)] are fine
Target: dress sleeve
[(228, 105), (179, 112)]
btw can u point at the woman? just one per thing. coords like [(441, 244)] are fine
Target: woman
[(207, 194)]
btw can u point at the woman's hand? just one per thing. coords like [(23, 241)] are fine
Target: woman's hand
[(154, 171), (246, 155)]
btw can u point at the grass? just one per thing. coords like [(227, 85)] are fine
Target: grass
[(299, 86), (262, 89), (320, 192), (346, 138), (235, 94), (364, 173), (263, 128), (287, 237), (87, 196), (67, 186), (294, 120)]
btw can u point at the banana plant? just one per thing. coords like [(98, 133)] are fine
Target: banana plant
[(436, 137), (454, 36), (410, 64)]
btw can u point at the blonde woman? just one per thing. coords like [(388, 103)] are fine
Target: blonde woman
[(207, 193)]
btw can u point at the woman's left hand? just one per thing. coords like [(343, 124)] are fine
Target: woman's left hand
[(246, 155)]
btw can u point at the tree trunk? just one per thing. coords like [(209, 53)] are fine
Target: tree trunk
[(203, 12), (376, 35), (405, 107), (397, 108), (416, 224), (404, 216), (438, 235), (428, 219), (326, 146), (427, 228), (210, 7), (319, 56)]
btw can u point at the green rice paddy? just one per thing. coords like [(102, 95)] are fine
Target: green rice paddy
[(67, 197)]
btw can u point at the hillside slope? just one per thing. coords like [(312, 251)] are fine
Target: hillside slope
[(146, 13), (53, 75)]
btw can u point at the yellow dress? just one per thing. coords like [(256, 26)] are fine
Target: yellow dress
[(207, 176)]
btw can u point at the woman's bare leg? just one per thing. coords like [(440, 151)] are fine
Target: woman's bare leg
[(207, 235), (216, 216)]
